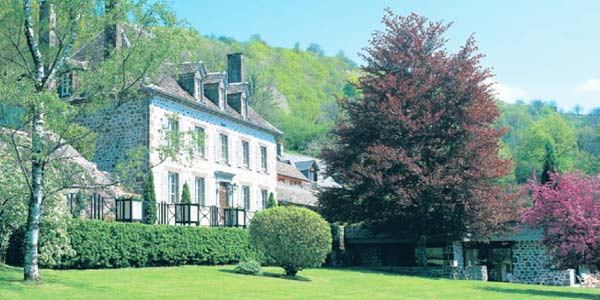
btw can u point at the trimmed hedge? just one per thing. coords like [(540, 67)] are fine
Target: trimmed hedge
[(100, 244)]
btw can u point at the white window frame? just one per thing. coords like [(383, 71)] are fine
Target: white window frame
[(246, 198), (201, 151), (265, 197), (264, 165), (66, 82), (200, 191), (224, 144), (173, 129), (246, 154), (173, 187)]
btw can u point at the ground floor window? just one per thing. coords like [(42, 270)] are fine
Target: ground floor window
[(264, 195), (200, 197), (173, 187), (246, 196)]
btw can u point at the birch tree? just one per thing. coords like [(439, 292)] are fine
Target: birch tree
[(40, 40)]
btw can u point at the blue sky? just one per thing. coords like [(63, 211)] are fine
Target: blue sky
[(548, 50)]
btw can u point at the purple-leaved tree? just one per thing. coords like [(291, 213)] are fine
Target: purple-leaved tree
[(567, 209)]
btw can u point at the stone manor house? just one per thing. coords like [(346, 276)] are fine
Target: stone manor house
[(228, 156)]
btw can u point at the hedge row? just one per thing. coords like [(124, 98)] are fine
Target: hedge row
[(101, 244)]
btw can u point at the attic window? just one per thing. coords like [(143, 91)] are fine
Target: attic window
[(187, 83), (66, 82)]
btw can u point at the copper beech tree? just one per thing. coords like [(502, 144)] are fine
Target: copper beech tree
[(417, 153)]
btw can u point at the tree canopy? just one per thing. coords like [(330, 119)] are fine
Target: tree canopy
[(567, 209), (417, 153)]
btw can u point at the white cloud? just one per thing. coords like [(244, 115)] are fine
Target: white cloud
[(590, 85), (508, 93)]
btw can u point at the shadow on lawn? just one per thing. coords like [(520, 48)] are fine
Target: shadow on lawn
[(533, 292), (272, 275)]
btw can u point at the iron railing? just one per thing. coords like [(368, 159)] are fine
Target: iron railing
[(198, 215), (90, 207)]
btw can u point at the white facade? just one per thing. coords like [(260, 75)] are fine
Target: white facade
[(215, 173)]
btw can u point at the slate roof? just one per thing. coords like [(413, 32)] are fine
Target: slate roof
[(290, 171), (296, 195), (93, 178), (166, 82), (215, 77), (524, 233), (303, 162)]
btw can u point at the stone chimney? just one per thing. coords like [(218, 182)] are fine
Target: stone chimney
[(48, 38), (279, 147), (112, 34), (235, 68), (47, 24)]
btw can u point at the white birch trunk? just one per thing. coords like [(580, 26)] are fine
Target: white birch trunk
[(30, 270)]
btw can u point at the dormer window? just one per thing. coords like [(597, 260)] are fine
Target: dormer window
[(188, 83), (65, 84)]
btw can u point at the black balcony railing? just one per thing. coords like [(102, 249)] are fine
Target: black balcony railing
[(89, 206), (198, 215)]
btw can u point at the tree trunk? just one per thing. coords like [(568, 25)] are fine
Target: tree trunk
[(30, 270), (421, 252), (291, 271)]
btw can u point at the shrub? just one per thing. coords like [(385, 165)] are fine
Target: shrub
[(99, 244), (186, 197), (294, 238), (272, 202), (54, 243), (250, 267), (149, 200)]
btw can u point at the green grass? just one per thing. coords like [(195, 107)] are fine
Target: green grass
[(200, 282)]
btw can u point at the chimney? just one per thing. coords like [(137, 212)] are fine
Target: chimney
[(48, 40), (47, 24), (235, 67), (279, 148), (112, 35)]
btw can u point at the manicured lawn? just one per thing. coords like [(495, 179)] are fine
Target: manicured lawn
[(198, 282)]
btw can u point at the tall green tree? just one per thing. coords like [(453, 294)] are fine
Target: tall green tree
[(186, 197), (549, 163), (531, 150), (40, 49), (418, 155), (272, 202), (149, 199)]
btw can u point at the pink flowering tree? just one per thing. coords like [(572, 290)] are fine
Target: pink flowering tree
[(567, 209)]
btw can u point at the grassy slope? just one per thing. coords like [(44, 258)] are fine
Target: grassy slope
[(194, 282)]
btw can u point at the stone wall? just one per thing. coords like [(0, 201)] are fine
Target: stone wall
[(119, 131), (467, 273), (368, 255), (531, 265)]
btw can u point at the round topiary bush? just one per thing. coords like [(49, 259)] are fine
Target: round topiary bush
[(250, 267), (294, 238)]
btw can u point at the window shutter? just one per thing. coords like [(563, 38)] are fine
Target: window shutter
[(165, 187), (257, 157), (217, 147), (240, 153), (250, 156), (73, 76)]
